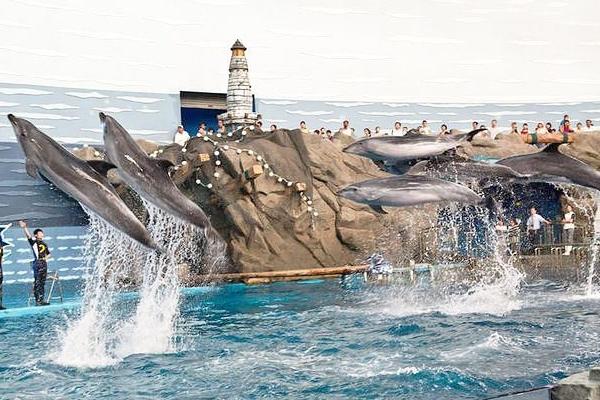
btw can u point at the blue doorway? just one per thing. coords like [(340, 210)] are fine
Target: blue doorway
[(192, 117)]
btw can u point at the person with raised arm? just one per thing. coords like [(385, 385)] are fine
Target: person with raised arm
[(41, 253)]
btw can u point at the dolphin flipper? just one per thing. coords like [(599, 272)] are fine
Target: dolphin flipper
[(378, 209), (31, 168), (102, 167)]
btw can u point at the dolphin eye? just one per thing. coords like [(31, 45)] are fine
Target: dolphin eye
[(353, 188)]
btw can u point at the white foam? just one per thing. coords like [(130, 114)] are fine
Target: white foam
[(336, 120), (146, 132), (23, 91), (8, 104), (143, 100), (76, 140), (590, 111), (87, 95)]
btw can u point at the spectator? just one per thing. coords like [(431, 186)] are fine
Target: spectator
[(259, 124), (540, 129), (322, 131), (444, 130), (221, 127), (329, 135), (525, 130), (211, 131), (404, 130), (474, 125), (424, 128), (534, 226), (367, 132), (345, 129), (493, 129), (568, 222), (579, 127), (181, 136), (273, 128), (549, 127), (397, 129), (565, 127), (565, 119), (514, 128), (378, 131), (501, 228), (317, 132), (589, 126), (514, 233), (201, 129), (303, 127)]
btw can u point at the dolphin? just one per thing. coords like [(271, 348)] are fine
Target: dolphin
[(404, 148), (406, 191), (150, 177), (466, 171), (84, 181), (550, 165)]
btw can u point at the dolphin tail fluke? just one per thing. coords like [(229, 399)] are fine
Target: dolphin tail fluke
[(469, 136)]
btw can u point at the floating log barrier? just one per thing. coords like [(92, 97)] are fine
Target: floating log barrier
[(534, 138), (252, 278)]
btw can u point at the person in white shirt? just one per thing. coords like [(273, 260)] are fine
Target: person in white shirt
[(181, 136), (377, 131), (397, 130), (568, 222), (345, 129), (424, 128), (534, 226), (589, 126), (494, 130)]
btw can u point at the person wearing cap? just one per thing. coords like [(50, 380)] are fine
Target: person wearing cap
[(181, 136)]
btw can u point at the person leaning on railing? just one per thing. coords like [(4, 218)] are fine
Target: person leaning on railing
[(568, 222)]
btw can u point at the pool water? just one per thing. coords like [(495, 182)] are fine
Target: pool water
[(322, 339)]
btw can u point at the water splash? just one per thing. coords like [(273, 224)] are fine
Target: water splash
[(590, 289), (107, 330), (110, 256)]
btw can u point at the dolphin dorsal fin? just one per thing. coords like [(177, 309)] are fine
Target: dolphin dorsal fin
[(31, 168), (101, 167), (164, 164), (551, 148)]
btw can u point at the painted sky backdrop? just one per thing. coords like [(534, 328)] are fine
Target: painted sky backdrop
[(386, 50)]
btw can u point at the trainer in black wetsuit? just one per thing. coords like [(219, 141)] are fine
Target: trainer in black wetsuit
[(2, 245), (41, 252)]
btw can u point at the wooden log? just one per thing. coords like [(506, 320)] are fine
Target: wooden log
[(286, 275), (548, 138)]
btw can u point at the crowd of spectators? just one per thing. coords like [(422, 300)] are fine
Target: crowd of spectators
[(398, 129)]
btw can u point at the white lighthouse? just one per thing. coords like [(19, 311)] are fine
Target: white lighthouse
[(239, 93)]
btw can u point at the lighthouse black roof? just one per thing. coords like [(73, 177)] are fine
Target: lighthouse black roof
[(238, 45)]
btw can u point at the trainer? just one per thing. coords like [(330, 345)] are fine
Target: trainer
[(41, 253)]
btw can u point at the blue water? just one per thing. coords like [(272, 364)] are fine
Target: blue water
[(321, 339)]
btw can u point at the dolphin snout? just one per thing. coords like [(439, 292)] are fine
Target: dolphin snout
[(102, 117), (12, 119)]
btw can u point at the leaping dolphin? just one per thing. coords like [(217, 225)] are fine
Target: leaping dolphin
[(465, 170), (84, 181), (150, 177), (550, 165), (406, 191), (404, 148)]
